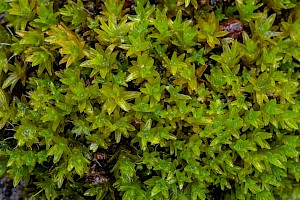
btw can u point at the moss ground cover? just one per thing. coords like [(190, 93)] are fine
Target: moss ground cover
[(159, 99)]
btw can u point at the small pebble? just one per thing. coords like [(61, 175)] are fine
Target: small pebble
[(233, 26)]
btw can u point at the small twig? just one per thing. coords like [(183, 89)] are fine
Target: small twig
[(9, 138), (37, 193), (10, 31), (37, 84), (138, 155), (89, 12), (11, 124), (98, 163), (7, 44), (78, 179), (10, 58), (26, 96), (10, 129)]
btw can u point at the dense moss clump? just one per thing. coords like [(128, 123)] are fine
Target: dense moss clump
[(165, 99)]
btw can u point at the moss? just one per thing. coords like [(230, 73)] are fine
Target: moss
[(165, 99)]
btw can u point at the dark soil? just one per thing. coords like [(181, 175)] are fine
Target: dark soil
[(7, 190), (2, 18)]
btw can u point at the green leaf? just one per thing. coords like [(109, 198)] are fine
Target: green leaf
[(252, 186), (246, 9), (198, 192), (74, 12), (175, 64), (18, 174), (41, 156), (52, 115), (260, 138), (77, 161), (3, 168), (276, 159), (254, 118), (29, 158), (26, 134), (49, 188), (71, 44), (160, 186), (210, 30), (46, 17), (264, 195), (46, 133), (58, 149), (243, 146)]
